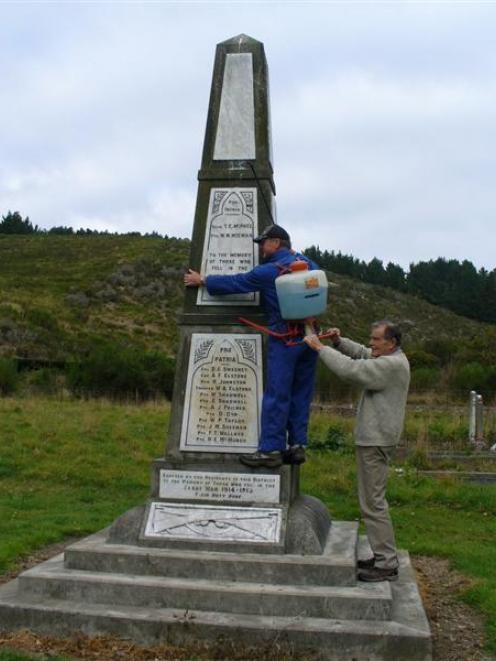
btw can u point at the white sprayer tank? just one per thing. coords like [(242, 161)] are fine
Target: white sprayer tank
[(301, 293)]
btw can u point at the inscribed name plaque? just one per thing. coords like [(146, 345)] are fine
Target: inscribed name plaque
[(223, 393), (228, 247), (214, 523), (209, 485)]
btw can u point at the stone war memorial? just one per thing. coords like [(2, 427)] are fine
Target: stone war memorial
[(221, 551)]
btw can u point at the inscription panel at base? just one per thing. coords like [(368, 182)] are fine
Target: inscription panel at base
[(210, 485), (214, 523), (223, 397)]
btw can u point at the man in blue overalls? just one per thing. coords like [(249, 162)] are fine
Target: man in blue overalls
[(290, 369)]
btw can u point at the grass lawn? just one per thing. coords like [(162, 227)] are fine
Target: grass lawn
[(69, 468)]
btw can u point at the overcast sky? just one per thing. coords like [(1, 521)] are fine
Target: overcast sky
[(383, 118)]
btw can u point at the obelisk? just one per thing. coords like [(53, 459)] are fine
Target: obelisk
[(201, 495)]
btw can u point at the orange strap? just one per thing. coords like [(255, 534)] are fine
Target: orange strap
[(294, 330)]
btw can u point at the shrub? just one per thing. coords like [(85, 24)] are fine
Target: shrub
[(421, 358), (419, 459), (42, 318), (473, 376), (45, 380), (117, 371), (337, 439), (425, 378), (8, 376), (444, 349)]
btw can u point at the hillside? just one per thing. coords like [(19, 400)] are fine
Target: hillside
[(62, 294)]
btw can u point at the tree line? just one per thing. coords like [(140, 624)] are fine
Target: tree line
[(455, 285), (14, 223)]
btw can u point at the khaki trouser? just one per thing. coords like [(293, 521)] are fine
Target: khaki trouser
[(372, 463)]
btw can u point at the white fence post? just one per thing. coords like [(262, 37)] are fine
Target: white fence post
[(471, 416), (479, 420)]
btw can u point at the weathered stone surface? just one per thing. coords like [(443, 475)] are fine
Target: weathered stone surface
[(126, 529), (309, 523), (58, 600), (335, 566)]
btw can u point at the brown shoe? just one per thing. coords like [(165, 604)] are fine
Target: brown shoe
[(367, 563), (376, 574)]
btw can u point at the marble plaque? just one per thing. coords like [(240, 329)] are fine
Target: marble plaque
[(228, 248), (223, 399), (214, 523), (235, 138), (209, 485)]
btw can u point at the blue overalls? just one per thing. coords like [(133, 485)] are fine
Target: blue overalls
[(290, 369)]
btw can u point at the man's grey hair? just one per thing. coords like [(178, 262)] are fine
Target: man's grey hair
[(285, 244), (391, 330)]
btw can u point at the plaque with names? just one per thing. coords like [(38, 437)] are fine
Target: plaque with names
[(210, 485), (223, 399), (229, 248), (214, 523)]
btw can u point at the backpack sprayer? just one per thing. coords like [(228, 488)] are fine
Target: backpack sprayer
[(301, 294)]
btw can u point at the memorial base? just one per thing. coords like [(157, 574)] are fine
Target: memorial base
[(310, 604), (305, 528)]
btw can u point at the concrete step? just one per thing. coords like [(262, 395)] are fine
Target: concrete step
[(52, 580), (336, 566), (405, 636)]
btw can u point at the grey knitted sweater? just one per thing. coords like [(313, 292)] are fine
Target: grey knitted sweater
[(385, 381)]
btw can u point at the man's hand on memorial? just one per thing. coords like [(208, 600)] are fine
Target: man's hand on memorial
[(192, 279), (313, 342)]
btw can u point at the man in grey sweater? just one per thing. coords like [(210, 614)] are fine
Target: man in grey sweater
[(384, 374)]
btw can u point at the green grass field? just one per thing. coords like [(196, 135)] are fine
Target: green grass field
[(68, 468)]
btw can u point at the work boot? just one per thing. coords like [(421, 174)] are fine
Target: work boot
[(367, 563), (295, 455), (377, 574), (261, 459)]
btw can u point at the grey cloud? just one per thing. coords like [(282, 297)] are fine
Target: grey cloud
[(382, 118)]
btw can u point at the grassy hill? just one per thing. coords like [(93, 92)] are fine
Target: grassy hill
[(60, 296)]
